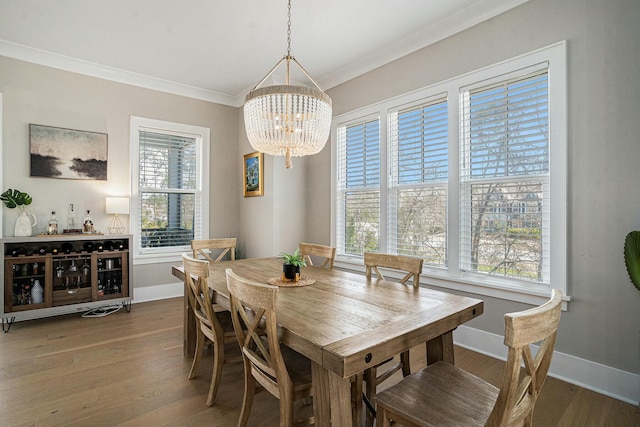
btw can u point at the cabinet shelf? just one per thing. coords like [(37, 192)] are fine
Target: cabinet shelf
[(73, 280)]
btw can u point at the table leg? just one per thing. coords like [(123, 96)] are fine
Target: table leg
[(189, 333), (340, 389), (440, 348), (321, 396)]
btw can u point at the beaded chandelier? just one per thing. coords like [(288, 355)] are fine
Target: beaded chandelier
[(287, 120)]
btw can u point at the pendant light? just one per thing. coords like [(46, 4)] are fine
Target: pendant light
[(287, 120)]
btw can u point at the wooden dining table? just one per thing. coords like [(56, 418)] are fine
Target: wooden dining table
[(345, 324)]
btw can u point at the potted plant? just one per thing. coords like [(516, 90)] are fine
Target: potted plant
[(632, 257), (16, 198), (292, 264)]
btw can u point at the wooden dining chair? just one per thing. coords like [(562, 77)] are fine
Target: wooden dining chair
[(280, 370), (445, 395), (204, 248), (373, 261), (210, 324), (326, 253), (413, 268)]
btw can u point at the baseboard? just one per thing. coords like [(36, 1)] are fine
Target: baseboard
[(594, 376)]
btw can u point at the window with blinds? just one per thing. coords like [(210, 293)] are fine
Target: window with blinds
[(504, 175), (170, 187), (167, 189), (418, 185), (469, 174), (358, 195)]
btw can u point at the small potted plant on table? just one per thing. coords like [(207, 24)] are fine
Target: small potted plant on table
[(291, 267)]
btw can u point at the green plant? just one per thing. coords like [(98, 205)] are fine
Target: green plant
[(15, 198), (632, 257), (295, 259)]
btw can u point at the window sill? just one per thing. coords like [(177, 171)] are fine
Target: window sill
[(489, 287)]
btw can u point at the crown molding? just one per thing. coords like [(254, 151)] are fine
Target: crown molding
[(62, 62), (452, 24)]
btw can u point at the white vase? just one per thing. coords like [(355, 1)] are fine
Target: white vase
[(37, 293), (24, 224)]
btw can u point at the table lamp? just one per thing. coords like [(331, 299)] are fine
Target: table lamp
[(116, 206)]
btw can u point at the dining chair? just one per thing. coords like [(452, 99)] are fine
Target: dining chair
[(206, 249), (373, 261), (210, 324), (203, 248), (327, 253), (280, 370), (445, 395), (412, 266)]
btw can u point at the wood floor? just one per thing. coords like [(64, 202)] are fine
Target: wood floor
[(127, 369)]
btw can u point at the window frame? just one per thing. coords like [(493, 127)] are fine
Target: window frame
[(201, 228), (451, 276)]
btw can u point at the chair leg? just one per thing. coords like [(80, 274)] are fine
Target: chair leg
[(218, 361), (249, 393), (286, 410), (198, 352), (383, 418), (370, 378), (406, 365)]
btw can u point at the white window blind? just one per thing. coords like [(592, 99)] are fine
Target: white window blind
[(418, 185), (473, 179), (358, 195), (505, 192), (168, 190)]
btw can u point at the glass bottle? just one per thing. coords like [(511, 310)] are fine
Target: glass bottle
[(52, 227), (71, 218), (87, 223)]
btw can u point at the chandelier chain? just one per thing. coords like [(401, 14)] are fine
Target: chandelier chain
[(287, 120), (289, 30)]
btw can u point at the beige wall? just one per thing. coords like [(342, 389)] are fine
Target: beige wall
[(42, 95), (604, 150), (275, 222)]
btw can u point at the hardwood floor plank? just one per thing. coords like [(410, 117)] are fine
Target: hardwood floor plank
[(128, 369)]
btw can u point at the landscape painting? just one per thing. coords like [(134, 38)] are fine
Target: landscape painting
[(67, 153)]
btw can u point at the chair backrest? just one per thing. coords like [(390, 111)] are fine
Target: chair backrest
[(411, 265), (520, 387), (326, 252), (253, 308), (196, 274), (203, 248)]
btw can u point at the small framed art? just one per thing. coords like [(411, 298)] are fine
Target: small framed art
[(253, 174)]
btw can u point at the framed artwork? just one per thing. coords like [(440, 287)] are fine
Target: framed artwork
[(67, 153), (253, 174)]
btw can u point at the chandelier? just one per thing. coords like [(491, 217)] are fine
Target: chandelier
[(287, 120)]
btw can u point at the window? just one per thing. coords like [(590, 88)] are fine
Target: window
[(418, 187), (505, 177), (170, 188), (359, 186), (468, 174)]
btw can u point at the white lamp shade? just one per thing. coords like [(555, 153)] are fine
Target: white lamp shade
[(117, 205)]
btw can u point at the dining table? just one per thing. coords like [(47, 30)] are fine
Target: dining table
[(345, 323)]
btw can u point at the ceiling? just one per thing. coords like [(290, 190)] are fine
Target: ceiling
[(218, 50)]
